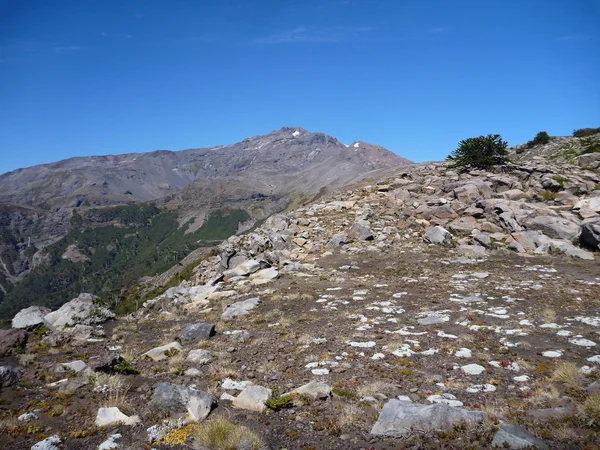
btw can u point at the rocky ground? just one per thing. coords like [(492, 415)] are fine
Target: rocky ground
[(429, 310)]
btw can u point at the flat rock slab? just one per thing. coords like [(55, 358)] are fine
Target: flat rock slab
[(399, 418), (253, 398), (314, 389), (240, 308), (79, 310), (30, 317), (513, 436), (200, 331), (158, 353), (176, 399), (264, 276)]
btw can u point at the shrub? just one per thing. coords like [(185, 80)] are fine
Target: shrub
[(221, 434), (583, 132), (540, 139), (482, 152), (280, 403)]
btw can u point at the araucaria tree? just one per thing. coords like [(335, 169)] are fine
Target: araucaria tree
[(483, 152)]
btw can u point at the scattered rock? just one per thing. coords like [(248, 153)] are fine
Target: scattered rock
[(48, 443), (175, 399), (314, 389), (361, 231), (9, 339), (200, 331), (107, 417), (9, 376), (80, 310), (437, 235), (240, 308), (199, 356)]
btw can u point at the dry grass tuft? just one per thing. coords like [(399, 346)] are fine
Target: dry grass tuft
[(589, 411), (221, 434), (376, 387), (569, 375)]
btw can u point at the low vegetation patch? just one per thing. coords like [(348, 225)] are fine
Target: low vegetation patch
[(221, 434)]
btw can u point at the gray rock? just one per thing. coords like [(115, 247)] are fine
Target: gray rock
[(199, 356), (175, 399), (338, 240), (9, 376), (11, 338), (516, 437), (30, 317), (590, 233), (200, 331), (468, 193), (437, 235), (80, 310), (240, 308), (474, 211), (252, 398), (77, 335), (589, 161), (314, 389), (75, 366), (240, 336), (361, 231), (482, 238), (553, 227), (399, 418), (594, 387)]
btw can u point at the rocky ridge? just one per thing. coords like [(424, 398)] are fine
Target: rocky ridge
[(426, 310)]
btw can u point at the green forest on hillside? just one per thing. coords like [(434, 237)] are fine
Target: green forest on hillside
[(146, 241)]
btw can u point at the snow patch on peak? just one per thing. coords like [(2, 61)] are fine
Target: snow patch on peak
[(356, 145), (296, 133)]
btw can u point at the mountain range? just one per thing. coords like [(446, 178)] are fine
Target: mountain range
[(135, 202)]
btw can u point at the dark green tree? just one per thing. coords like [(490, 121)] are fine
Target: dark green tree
[(483, 152), (540, 139)]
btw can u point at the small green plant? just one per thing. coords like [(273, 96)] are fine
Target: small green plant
[(540, 139), (548, 196), (341, 392), (125, 367), (171, 352), (277, 403), (561, 180)]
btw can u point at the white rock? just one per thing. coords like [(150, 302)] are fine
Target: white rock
[(110, 443), (472, 369), (463, 353), (583, 342), (481, 388), (113, 416), (252, 398), (229, 384), (552, 354), (48, 443)]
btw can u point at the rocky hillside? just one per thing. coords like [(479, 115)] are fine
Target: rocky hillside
[(47, 211), (428, 309)]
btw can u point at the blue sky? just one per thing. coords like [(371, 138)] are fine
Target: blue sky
[(105, 77)]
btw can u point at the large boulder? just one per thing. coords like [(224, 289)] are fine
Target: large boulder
[(314, 389), (338, 240), (437, 235), (30, 317), (264, 276), (361, 231), (80, 310), (240, 308), (589, 161), (176, 400), (200, 331), (554, 227), (160, 353), (467, 193), (399, 418), (9, 376), (252, 398), (590, 233), (9, 339)]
